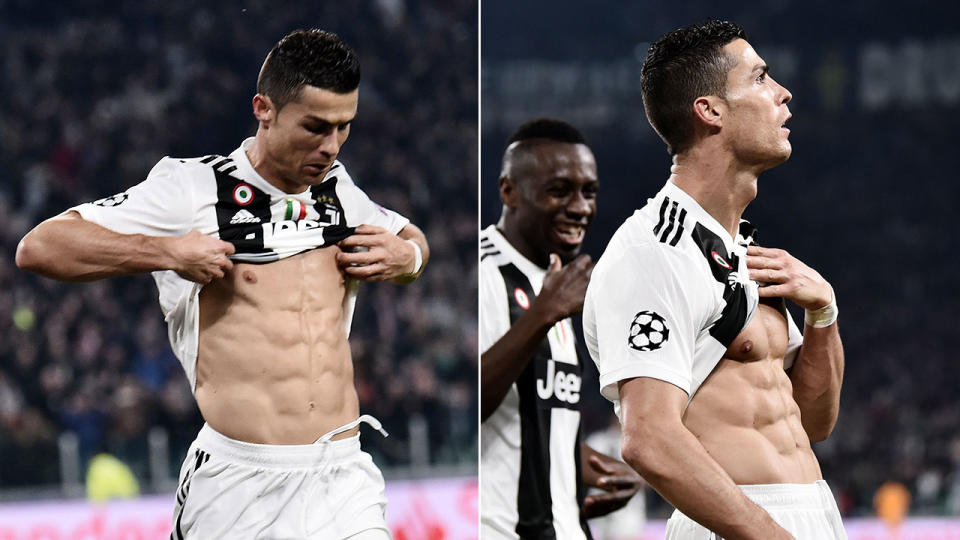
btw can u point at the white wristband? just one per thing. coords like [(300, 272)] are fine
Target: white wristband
[(418, 257), (823, 317)]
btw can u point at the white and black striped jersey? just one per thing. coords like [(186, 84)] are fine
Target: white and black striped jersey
[(224, 197), (530, 446), (669, 295)]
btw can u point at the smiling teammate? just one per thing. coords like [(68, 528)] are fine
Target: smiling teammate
[(264, 346), (533, 464), (714, 384)]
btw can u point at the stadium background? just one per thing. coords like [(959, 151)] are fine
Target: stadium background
[(94, 94), (868, 197)]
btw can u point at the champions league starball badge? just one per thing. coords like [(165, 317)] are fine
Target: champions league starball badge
[(113, 200), (648, 331)]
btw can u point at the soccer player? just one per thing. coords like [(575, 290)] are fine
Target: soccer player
[(533, 465), (718, 393), (255, 256)]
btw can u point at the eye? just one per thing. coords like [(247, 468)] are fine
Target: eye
[(343, 127), (762, 77)]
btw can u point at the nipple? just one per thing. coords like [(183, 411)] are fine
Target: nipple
[(747, 346), (249, 276)]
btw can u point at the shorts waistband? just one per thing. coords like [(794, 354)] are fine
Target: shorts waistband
[(275, 455), (794, 496)]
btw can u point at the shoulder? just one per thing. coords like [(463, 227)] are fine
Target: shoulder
[(192, 169)]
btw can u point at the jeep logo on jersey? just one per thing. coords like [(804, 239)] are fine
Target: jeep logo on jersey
[(113, 200), (559, 383), (720, 260), (242, 194), (648, 331), (521, 298)]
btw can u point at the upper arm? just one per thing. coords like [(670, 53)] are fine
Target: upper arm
[(644, 319)]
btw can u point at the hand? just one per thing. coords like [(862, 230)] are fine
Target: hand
[(619, 480), (564, 288), (199, 257), (387, 256), (790, 278)]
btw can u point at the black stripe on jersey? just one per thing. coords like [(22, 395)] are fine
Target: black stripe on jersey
[(676, 237), (671, 221), (327, 204), (221, 163), (208, 159), (245, 233), (734, 314), (534, 500), (488, 254), (663, 215), (581, 487), (230, 169)]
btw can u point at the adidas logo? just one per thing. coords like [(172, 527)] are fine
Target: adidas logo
[(244, 216)]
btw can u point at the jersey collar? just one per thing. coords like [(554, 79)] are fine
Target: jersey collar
[(745, 232), (524, 264)]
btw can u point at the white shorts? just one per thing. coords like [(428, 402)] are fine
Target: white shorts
[(235, 489), (807, 511)]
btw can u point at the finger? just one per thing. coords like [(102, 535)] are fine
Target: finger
[(758, 251), (360, 257), (618, 482), (768, 276), (778, 291), (755, 261), (365, 272), (228, 248), (355, 240), (225, 263), (369, 229), (554, 263), (600, 465), (612, 497)]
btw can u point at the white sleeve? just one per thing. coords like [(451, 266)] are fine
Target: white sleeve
[(161, 205), (645, 318), (494, 310), (794, 341), (360, 210)]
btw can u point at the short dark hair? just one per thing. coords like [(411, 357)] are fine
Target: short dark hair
[(680, 67), (547, 128), (308, 57)]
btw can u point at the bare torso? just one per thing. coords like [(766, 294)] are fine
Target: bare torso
[(274, 364), (745, 415)]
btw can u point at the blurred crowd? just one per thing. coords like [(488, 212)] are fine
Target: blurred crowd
[(94, 97)]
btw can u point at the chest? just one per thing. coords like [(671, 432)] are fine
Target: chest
[(765, 337), (308, 282)]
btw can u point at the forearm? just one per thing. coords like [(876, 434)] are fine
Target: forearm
[(413, 233), (69, 248), (675, 463), (817, 375), (505, 360)]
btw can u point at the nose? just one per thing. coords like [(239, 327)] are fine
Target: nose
[(579, 205), (329, 145), (785, 95)]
